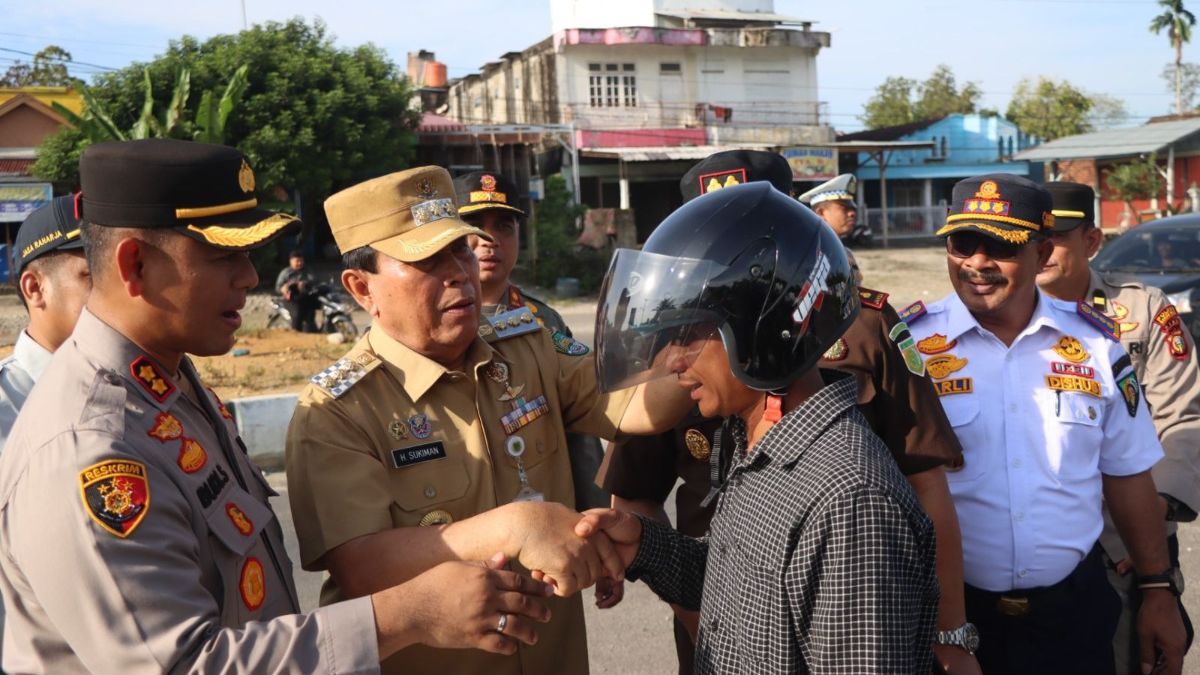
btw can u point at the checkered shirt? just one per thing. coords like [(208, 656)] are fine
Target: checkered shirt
[(819, 557)]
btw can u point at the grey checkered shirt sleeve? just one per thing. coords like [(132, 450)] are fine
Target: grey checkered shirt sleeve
[(859, 587), (671, 563)]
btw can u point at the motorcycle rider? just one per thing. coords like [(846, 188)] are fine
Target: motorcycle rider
[(296, 285)]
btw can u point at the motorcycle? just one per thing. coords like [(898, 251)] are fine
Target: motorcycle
[(860, 237), (333, 305)]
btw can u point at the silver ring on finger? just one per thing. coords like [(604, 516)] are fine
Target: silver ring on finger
[(502, 623)]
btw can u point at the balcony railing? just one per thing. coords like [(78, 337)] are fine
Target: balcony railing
[(907, 221)]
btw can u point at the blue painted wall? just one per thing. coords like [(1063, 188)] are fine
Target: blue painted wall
[(967, 145)]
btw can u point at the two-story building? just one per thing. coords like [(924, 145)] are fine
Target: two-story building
[(919, 182), (648, 87)]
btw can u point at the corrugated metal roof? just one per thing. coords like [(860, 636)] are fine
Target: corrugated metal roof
[(731, 15), (1114, 142), (661, 153), (16, 167)]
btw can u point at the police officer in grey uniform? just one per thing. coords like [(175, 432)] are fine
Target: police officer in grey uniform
[(1164, 358), (53, 283), (136, 533), (833, 200)]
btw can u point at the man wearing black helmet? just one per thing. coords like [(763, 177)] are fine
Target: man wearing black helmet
[(898, 402), (819, 557)]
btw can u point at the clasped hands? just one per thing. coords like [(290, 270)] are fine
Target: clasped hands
[(572, 551)]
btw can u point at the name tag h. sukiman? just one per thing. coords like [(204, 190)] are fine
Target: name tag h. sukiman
[(415, 454)]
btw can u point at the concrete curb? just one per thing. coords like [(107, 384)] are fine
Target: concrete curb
[(262, 422)]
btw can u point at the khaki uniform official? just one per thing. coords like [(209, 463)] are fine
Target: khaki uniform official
[(387, 438), (136, 533)]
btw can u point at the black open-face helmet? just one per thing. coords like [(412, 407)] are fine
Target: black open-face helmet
[(746, 262)]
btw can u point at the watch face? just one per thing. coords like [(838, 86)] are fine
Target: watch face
[(970, 638), (1177, 578)]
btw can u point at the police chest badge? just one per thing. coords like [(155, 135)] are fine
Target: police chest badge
[(837, 352), (1071, 349), (116, 495), (697, 444)]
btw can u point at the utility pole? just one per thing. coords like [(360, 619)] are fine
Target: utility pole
[(245, 26)]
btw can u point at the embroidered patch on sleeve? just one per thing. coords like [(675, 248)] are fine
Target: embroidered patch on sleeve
[(1131, 391), (116, 495), (564, 344)]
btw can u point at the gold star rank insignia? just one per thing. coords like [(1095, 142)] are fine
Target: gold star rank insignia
[(147, 374)]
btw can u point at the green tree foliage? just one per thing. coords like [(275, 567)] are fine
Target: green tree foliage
[(1177, 22), (940, 96), (58, 157), (1136, 179), (558, 254), (900, 100), (312, 117), (1050, 109), (891, 105), (48, 69)]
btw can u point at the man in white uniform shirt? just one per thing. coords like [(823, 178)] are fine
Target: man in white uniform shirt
[(1048, 410), (53, 284)]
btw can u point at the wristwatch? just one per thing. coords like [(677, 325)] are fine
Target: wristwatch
[(965, 636), (1171, 580)]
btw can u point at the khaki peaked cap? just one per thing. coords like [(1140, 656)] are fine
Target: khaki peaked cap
[(408, 215)]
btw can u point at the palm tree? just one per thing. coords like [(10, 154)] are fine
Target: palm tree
[(1178, 23)]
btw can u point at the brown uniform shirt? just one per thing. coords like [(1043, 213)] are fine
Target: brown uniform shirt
[(137, 537), (394, 439), (899, 404), (1164, 358), (587, 452)]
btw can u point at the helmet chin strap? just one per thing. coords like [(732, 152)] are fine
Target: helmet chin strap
[(773, 407)]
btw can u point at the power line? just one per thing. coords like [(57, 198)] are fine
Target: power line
[(59, 59)]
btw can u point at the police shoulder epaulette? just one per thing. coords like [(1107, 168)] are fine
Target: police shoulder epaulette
[(510, 324), (345, 373), (1104, 324), (913, 312), (872, 299), (1121, 281)]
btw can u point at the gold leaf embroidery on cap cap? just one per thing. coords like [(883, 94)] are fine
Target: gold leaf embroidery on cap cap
[(434, 209), (246, 177), (1011, 236), (233, 237)]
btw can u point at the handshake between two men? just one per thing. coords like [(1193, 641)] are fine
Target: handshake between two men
[(416, 576)]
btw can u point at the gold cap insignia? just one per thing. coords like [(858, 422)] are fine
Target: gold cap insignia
[(487, 182), (988, 190), (426, 189), (246, 177)]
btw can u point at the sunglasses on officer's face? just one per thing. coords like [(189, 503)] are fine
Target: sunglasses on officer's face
[(966, 244)]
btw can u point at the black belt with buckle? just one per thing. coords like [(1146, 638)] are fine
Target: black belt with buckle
[(1018, 603)]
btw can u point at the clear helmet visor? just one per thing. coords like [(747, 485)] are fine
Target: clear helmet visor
[(653, 320)]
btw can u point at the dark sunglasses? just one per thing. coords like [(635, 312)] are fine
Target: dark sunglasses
[(966, 244)]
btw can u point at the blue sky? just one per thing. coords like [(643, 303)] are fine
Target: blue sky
[(1100, 45)]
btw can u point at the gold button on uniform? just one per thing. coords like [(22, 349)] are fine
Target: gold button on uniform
[(430, 491)]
